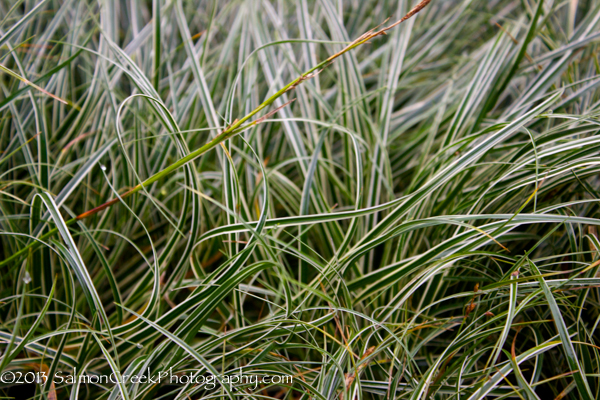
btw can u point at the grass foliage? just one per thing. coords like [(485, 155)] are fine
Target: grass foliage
[(420, 222)]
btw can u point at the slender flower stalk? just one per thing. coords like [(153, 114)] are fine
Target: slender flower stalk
[(238, 126)]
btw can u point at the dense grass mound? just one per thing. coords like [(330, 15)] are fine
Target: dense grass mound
[(272, 188)]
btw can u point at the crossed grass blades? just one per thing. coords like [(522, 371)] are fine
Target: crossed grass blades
[(421, 222)]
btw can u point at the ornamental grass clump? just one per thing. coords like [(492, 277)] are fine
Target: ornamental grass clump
[(299, 199)]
